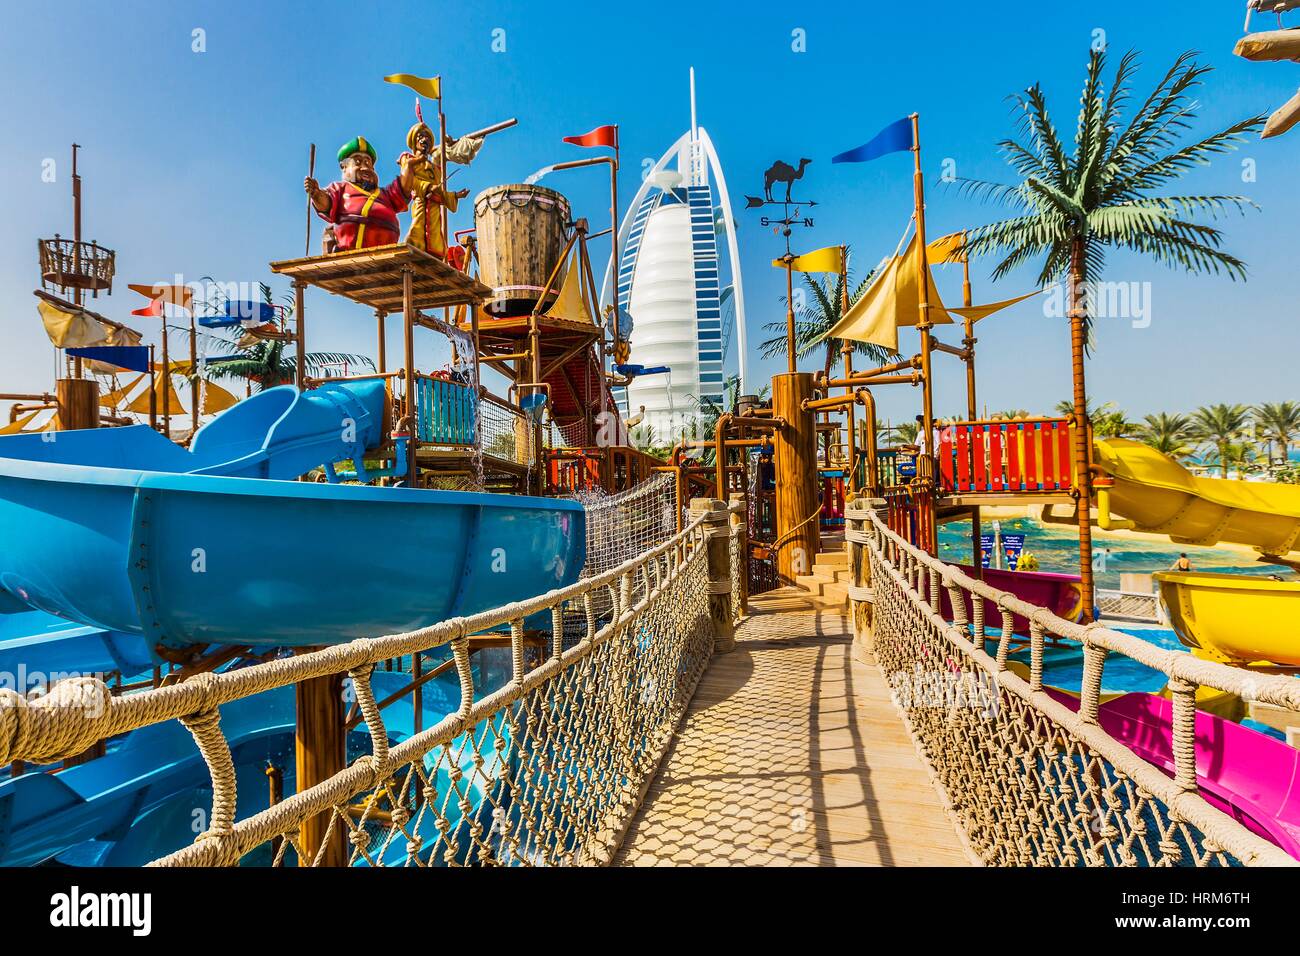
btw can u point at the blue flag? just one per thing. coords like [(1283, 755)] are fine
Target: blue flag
[(893, 138), (133, 357)]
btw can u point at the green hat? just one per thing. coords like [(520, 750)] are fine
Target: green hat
[(357, 144)]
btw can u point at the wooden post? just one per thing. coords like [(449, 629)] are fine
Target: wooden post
[(717, 537), (846, 351), (194, 377), (740, 527), (78, 400), (795, 451), (319, 752), (408, 345), (167, 377), (789, 308), (383, 340), (300, 338), (860, 577), (153, 391)]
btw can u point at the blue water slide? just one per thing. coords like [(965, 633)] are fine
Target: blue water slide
[(37, 648), (121, 530)]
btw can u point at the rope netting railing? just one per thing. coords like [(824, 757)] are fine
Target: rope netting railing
[(1029, 774), (628, 523), (544, 768)]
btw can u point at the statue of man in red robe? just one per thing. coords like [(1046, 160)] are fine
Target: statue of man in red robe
[(361, 214)]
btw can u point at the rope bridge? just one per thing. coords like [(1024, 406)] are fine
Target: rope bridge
[(545, 770), (1029, 780)]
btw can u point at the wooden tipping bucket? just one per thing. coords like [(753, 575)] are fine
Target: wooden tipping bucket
[(521, 232)]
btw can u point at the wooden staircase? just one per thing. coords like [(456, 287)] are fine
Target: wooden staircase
[(829, 580)]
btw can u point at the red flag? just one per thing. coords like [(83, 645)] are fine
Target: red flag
[(153, 308), (600, 136)]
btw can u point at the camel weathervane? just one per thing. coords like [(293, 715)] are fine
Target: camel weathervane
[(783, 172)]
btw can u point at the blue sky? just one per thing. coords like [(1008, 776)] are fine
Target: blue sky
[(193, 161)]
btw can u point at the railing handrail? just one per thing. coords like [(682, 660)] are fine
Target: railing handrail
[(1179, 793), (1266, 688)]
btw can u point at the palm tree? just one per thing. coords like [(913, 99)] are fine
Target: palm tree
[(1238, 455), (1108, 420), (1071, 206), (1278, 422), (265, 363), (1171, 435), (1221, 426), (817, 318)]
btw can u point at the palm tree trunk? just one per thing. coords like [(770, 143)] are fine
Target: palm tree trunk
[(1082, 479), (1223, 458)]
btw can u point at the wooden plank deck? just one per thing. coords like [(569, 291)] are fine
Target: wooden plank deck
[(792, 754)]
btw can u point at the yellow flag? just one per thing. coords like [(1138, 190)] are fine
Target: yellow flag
[(944, 249), (977, 312), (830, 259), (430, 86), (70, 330)]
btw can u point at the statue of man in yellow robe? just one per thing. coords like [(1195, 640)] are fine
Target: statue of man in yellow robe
[(428, 191)]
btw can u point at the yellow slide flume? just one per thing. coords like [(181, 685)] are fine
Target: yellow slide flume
[(1161, 496), (1240, 619)]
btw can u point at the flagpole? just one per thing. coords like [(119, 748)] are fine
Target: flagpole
[(972, 411), (613, 232), (923, 292), (442, 170), (788, 259)]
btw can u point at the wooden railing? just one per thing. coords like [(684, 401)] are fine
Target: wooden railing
[(445, 412), (612, 468), (1022, 455)]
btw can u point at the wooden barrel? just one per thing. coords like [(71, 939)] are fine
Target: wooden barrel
[(521, 232)]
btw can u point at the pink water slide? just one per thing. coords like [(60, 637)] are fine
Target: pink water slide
[(1250, 776)]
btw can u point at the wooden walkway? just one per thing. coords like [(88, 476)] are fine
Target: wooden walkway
[(792, 754)]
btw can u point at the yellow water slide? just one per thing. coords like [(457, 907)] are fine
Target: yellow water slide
[(1239, 619)]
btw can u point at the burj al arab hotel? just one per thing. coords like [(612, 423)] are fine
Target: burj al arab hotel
[(684, 308)]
